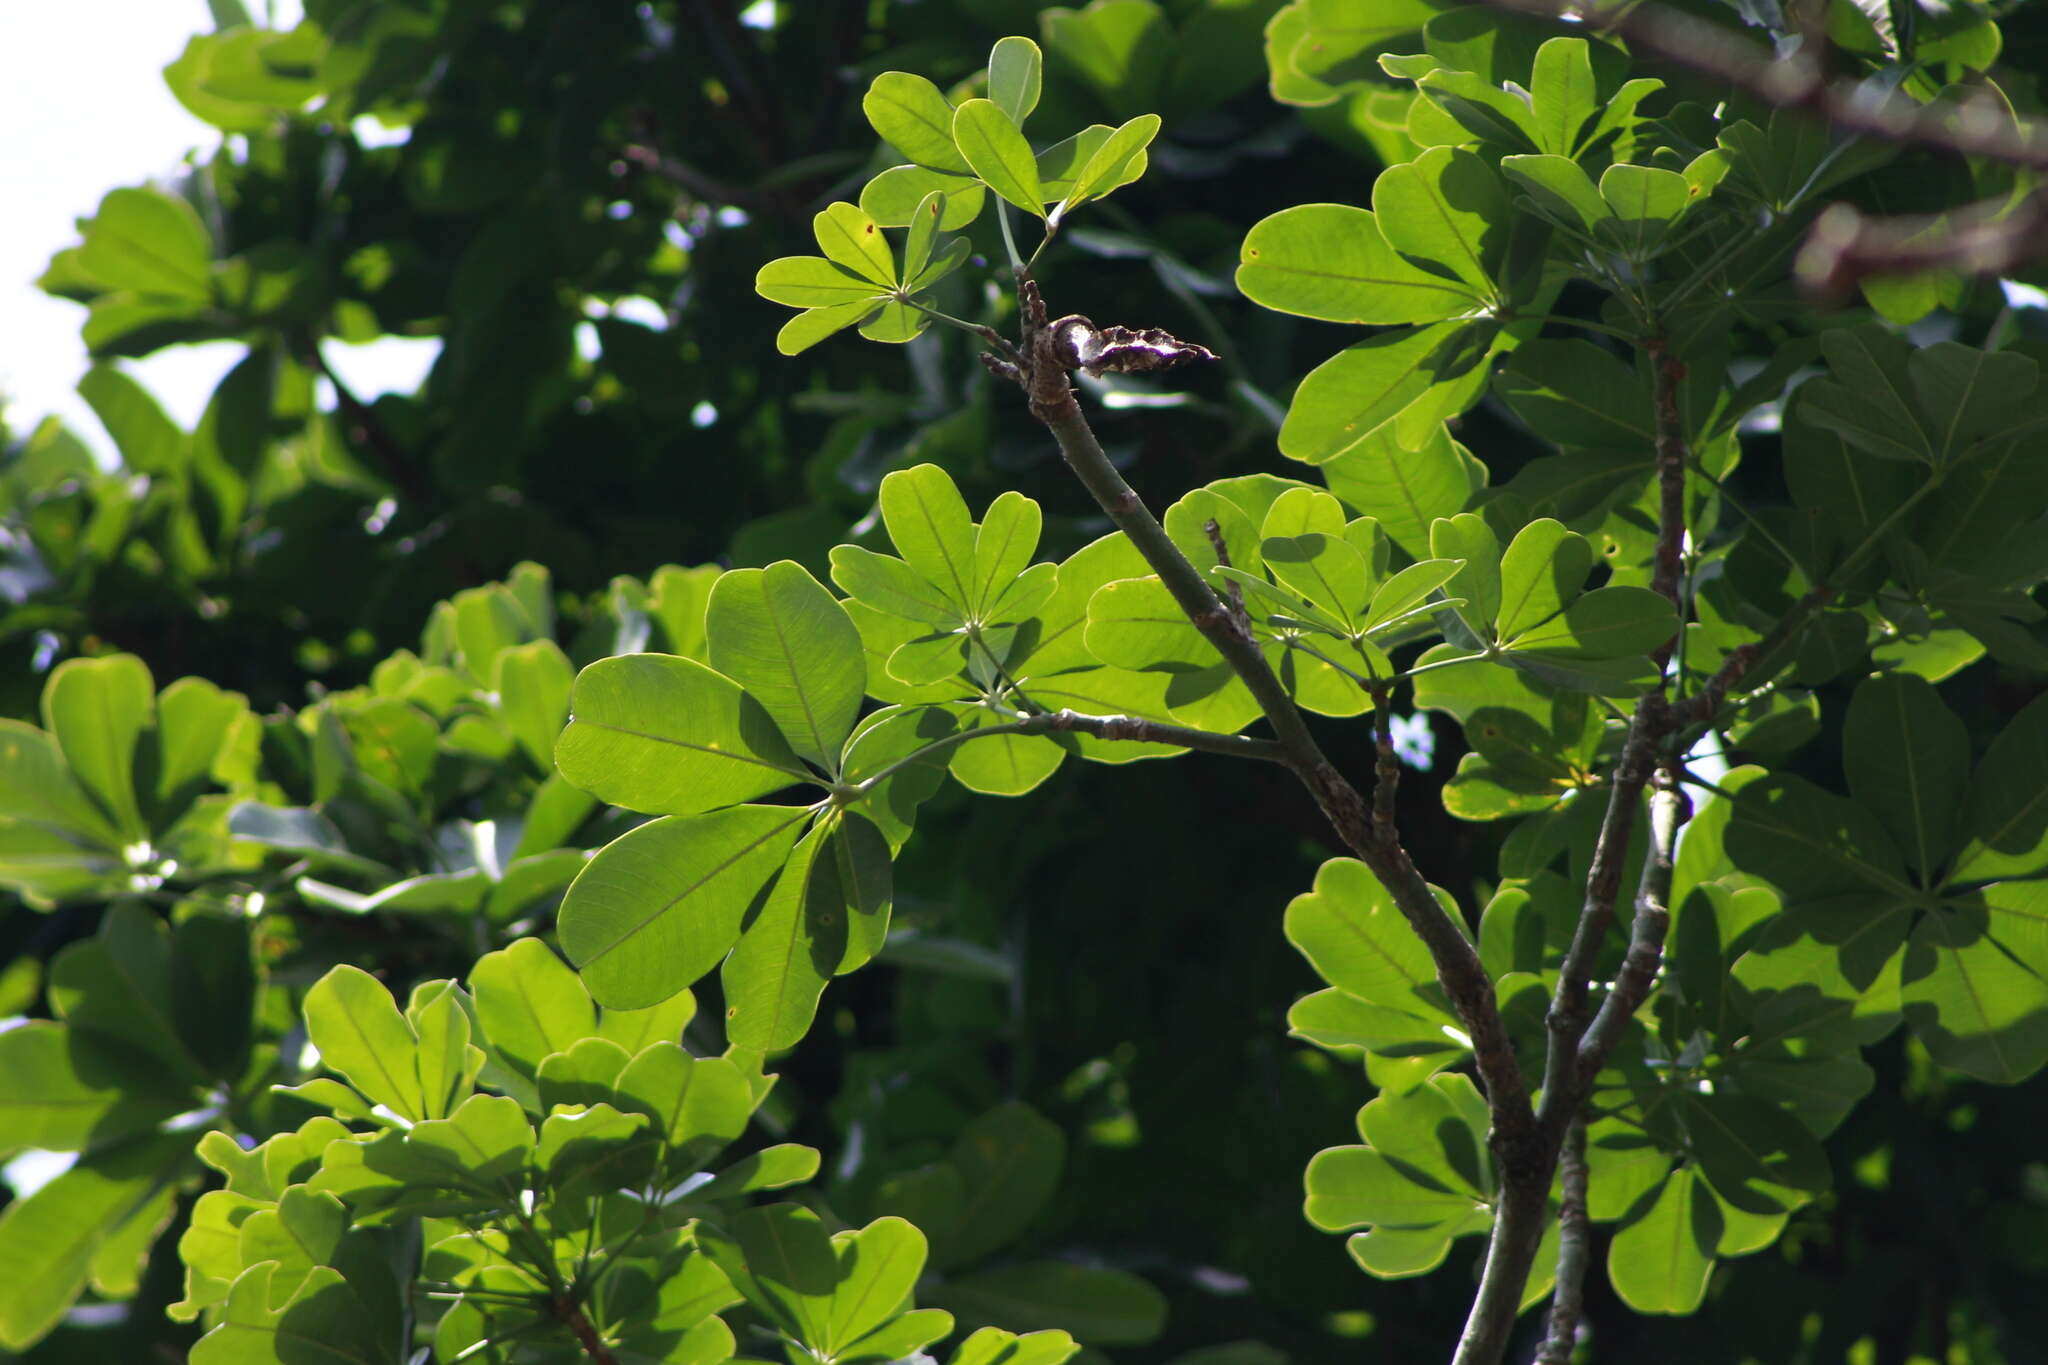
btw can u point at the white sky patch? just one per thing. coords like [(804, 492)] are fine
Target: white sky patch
[(86, 109)]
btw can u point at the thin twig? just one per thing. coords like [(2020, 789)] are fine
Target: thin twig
[(1387, 782), (1798, 82), (1574, 1250), (365, 426), (1646, 938), (700, 186)]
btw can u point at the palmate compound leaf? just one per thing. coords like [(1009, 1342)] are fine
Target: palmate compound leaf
[(658, 907), (670, 736)]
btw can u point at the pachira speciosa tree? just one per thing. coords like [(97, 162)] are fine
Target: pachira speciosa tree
[(1624, 1029)]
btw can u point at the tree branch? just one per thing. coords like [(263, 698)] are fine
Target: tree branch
[(1992, 237), (1520, 1150)]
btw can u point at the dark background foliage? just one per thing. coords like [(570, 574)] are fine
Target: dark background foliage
[(565, 156)]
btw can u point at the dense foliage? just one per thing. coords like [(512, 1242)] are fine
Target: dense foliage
[(1574, 417)]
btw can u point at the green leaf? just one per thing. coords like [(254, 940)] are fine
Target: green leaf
[(1003, 545), (530, 1004), (665, 735), (122, 988), (1757, 1157), (1907, 757), (1417, 376), (1003, 765), (808, 328), (1351, 1187), (1010, 1160), (150, 242), (1543, 569), (1405, 591), (911, 115), (1000, 156), (1868, 396), (1117, 162), (57, 1096), (1560, 187), (889, 584), (325, 1321), (1646, 202), (930, 526), (863, 877), (903, 1337), (48, 1239), (774, 976), (2007, 810), (1120, 49), (1975, 983), (878, 1267), (1015, 71), (854, 241), (1481, 107), (1137, 624), (697, 1104), (1326, 570), (1101, 1307), (1447, 207), (1351, 933), (1333, 262), (658, 907), (1660, 1262), (780, 1258), (814, 282), (1607, 623), (1467, 537), (892, 198), (994, 1346), (779, 634), (1805, 843), (1576, 394), (96, 709), (1405, 490), (532, 682), (1562, 94), (1970, 394), (924, 229), (1061, 165), (362, 1037)]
